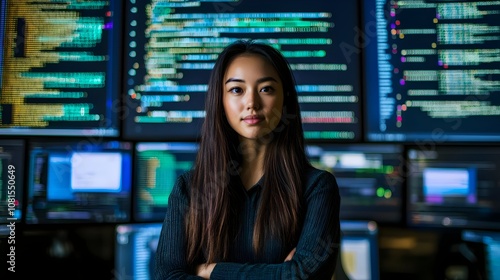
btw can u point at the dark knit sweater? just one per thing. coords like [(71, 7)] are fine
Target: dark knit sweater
[(316, 252)]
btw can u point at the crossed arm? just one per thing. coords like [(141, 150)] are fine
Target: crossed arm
[(314, 257), (204, 270)]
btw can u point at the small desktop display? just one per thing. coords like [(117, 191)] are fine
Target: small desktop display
[(11, 180), (157, 166), (359, 257), (454, 187), (79, 182), (369, 177), (490, 253), (135, 248)]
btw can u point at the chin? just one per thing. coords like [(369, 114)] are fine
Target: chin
[(264, 137)]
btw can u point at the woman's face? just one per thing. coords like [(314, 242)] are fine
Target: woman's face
[(252, 96)]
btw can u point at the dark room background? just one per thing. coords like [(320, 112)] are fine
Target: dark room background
[(101, 105)]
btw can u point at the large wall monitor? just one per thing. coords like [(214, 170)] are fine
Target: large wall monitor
[(432, 70), (60, 68), (171, 46)]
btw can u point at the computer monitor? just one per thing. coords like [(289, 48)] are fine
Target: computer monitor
[(453, 187), (60, 68), (359, 257), (11, 180), (135, 248), (79, 182), (171, 47), (490, 253), (157, 166), (370, 178), (432, 71)]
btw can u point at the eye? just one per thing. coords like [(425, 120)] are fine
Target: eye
[(235, 90), (268, 89)]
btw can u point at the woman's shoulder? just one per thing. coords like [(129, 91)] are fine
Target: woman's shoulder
[(314, 173), (319, 178), (183, 183), (186, 176)]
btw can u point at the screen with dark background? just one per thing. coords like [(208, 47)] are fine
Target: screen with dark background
[(432, 71), (60, 68), (171, 47)]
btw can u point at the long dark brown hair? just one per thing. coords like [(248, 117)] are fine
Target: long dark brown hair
[(211, 223)]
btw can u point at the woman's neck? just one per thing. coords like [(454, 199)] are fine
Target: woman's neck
[(252, 167)]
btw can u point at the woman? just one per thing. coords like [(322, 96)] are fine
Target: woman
[(252, 207)]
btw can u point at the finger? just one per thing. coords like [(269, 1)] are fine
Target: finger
[(290, 255)]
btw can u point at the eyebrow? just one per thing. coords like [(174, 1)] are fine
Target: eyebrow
[(261, 80)]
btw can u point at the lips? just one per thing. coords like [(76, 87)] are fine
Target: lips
[(252, 119)]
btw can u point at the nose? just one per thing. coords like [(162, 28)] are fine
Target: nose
[(252, 100)]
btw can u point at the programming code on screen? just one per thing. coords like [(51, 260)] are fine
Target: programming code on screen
[(454, 187), (432, 70), (171, 47), (369, 178), (79, 182), (59, 73), (157, 166)]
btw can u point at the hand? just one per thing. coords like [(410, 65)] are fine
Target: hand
[(290, 255), (204, 270)]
